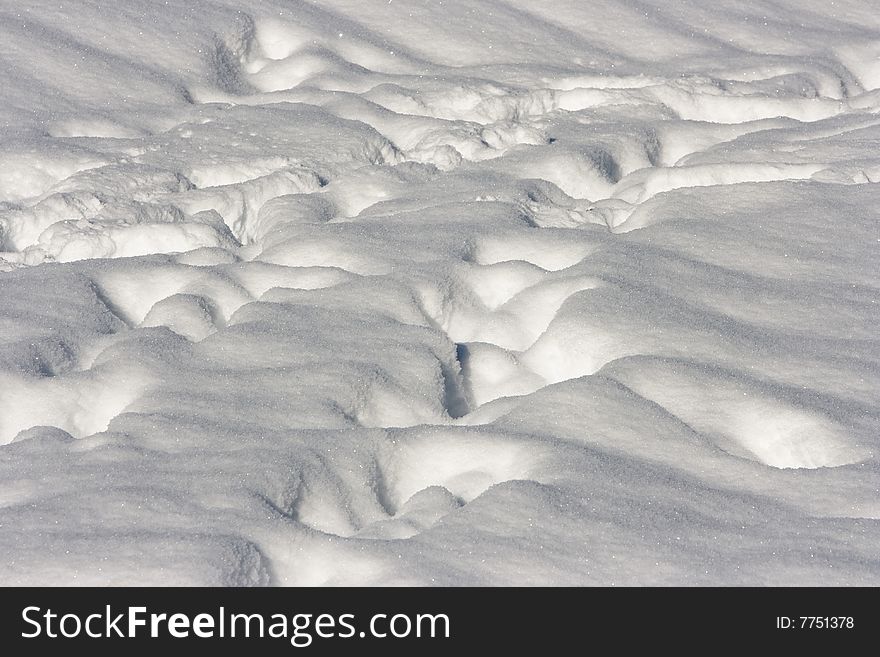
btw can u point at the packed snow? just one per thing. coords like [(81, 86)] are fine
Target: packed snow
[(414, 292)]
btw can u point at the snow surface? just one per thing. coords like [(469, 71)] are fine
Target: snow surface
[(439, 292)]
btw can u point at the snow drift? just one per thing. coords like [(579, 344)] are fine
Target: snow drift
[(410, 292)]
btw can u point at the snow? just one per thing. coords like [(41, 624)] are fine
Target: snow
[(439, 293)]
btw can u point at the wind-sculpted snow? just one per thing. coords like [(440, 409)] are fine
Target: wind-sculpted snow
[(414, 293)]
